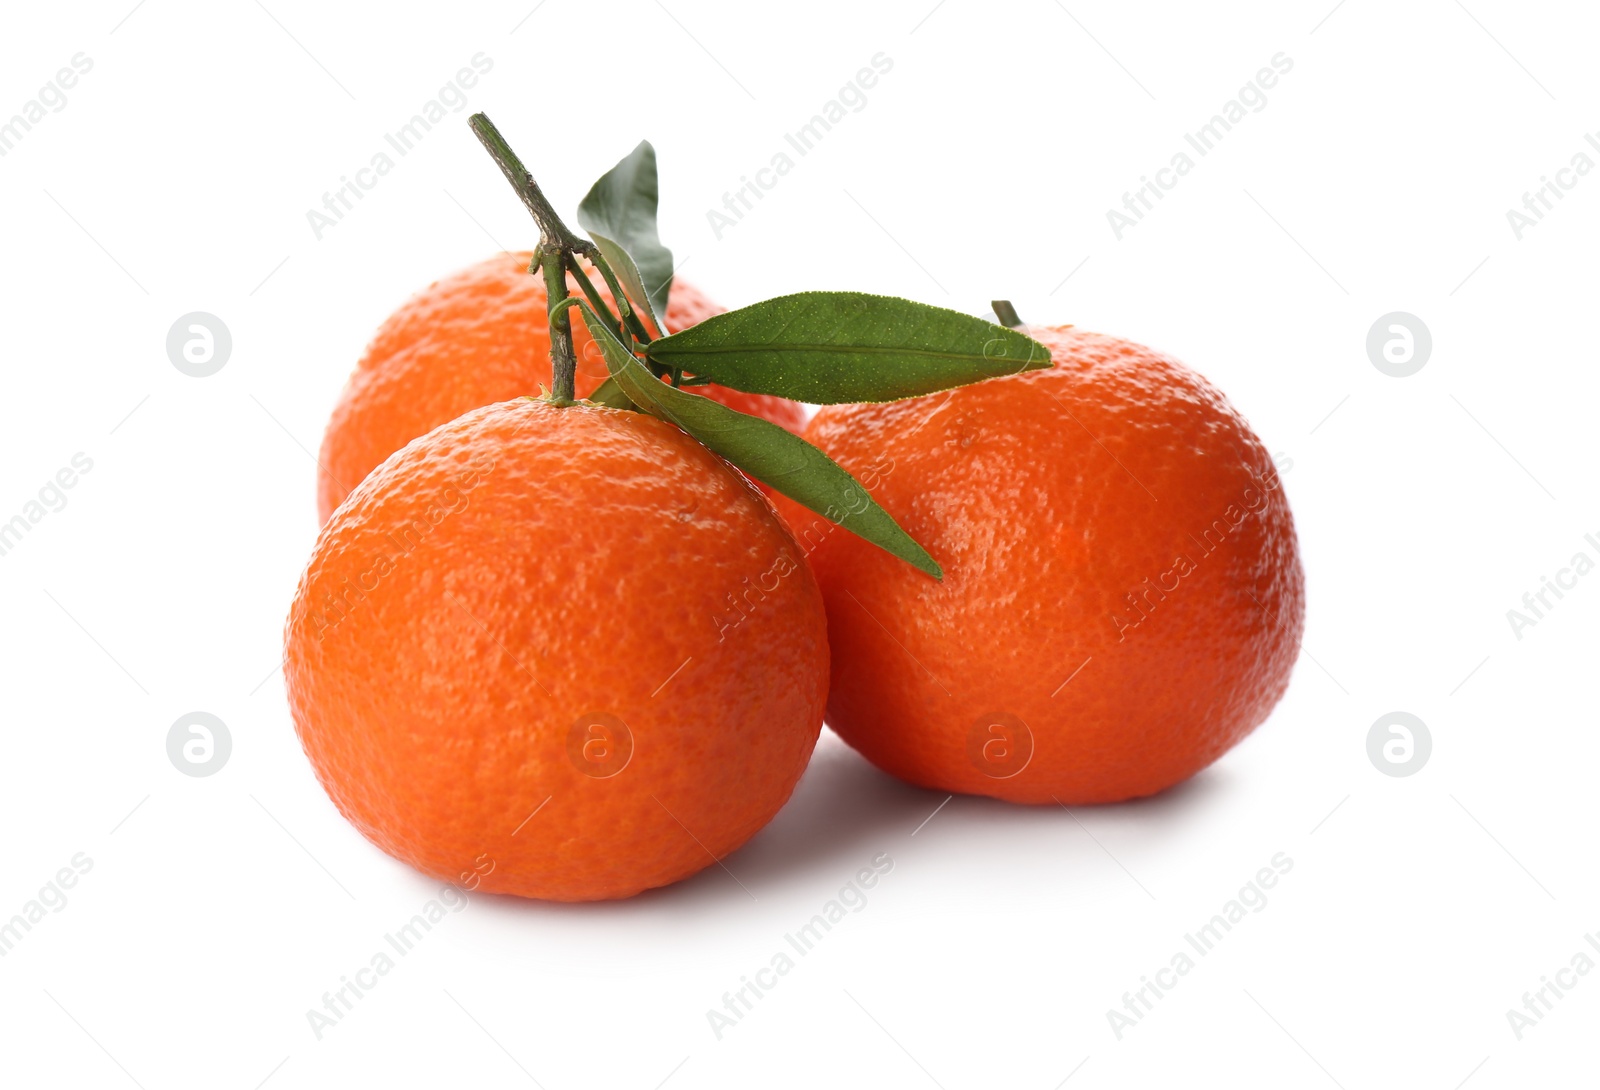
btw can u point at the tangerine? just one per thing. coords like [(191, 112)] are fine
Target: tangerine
[(562, 652), (1123, 596), (476, 337)]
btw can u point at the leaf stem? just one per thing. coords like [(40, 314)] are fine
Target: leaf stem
[(558, 250), (596, 300), (629, 314)]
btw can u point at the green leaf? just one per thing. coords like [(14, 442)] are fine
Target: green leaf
[(609, 394), (766, 452), (632, 283), (620, 215), (829, 348)]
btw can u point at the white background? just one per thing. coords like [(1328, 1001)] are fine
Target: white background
[(1377, 178)]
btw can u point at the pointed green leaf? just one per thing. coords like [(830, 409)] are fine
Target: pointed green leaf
[(620, 215), (836, 347), (632, 282), (766, 452), (609, 394)]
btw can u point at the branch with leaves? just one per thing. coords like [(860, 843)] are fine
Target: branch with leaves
[(821, 347)]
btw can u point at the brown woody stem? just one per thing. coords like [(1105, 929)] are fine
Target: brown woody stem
[(558, 251)]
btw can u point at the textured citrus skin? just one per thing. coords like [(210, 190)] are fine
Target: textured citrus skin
[(474, 338), (1038, 494), (514, 571)]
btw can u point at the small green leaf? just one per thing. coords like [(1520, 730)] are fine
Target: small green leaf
[(830, 348), (632, 283), (766, 452), (620, 215), (609, 394)]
